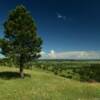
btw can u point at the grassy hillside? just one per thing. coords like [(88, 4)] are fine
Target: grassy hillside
[(44, 86)]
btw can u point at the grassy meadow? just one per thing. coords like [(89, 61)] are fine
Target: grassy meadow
[(21, 49), (44, 85)]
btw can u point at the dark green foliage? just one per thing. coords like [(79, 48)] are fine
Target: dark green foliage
[(83, 71), (20, 41), (90, 73)]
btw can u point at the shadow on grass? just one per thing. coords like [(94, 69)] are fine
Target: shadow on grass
[(11, 75)]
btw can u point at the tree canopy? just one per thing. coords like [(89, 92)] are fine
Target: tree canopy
[(21, 41)]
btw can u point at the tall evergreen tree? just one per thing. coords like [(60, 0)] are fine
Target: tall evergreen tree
[(21, 41)]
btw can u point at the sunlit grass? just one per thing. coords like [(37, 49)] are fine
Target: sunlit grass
[(45, 86)]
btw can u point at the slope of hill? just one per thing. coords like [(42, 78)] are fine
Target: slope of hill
[(44, 86)]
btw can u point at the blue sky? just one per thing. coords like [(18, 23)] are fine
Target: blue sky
[(64, 25)]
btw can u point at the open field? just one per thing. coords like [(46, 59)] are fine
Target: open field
[(44, 85)]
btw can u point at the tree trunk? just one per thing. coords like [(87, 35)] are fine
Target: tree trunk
[(21, 72), (21, 67)]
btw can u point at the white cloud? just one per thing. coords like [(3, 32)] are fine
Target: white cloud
[(61, 16), (52, 54), (71, 55), (2, 56), (42, 53)]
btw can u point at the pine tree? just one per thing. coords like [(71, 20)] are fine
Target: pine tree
[(21, 41)]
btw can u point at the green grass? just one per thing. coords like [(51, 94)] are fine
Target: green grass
[(44, 86)]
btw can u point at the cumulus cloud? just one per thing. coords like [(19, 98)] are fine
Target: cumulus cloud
[(71, 55), (42, 53), (52, 54)]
